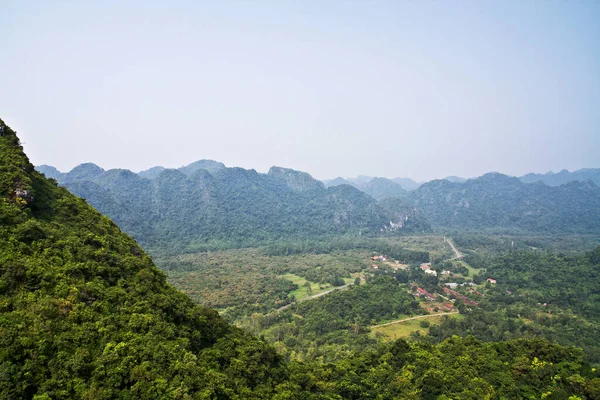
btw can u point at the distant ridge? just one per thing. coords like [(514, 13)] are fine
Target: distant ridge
[(497, 201), (378, 188), (564, 176)]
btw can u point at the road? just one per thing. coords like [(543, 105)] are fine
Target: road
[(315, 296), (457, 253), (417, 317)]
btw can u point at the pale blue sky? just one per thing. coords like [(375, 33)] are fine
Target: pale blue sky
[(387, 88)]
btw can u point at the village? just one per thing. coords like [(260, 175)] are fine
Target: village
[(442, 291)]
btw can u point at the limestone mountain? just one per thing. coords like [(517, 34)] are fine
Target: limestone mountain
[(233, 206), (564, 176), (496, 201), (378, 188)]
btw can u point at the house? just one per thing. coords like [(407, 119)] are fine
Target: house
[(425, 266), (492, 281), (374, 266), (424, 293), (430, 272), (452, 285)]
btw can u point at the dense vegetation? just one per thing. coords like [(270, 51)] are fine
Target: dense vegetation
[(210, 207), (85, 314), (501, 203), (548, 295), (335, 326)]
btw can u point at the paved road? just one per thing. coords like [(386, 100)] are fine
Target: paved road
[(315, 296), (408, 319)]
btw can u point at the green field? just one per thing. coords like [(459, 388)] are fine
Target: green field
[(404, 329), (472, 271), (302, 291)]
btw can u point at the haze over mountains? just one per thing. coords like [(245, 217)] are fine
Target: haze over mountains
[(206, 203)]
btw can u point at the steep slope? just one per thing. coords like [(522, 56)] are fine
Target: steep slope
[(85, 314), (564, 176), (233, 206), (498, 201)]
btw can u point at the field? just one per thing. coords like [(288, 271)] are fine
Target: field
[(242, 281), (404, 329)]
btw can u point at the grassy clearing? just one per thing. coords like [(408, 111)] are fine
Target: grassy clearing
[(472, 271), (404, 329), (302, 290)]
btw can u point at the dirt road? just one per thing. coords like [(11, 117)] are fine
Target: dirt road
[(457, 253), (417, 317), (315, 296)]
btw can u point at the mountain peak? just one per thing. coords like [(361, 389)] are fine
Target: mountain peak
[(85, 171), (297, 180), (209, 165)]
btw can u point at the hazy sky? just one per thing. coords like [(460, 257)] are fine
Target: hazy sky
[(419, 89)]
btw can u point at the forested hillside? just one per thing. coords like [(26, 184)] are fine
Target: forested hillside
[(206, 205), (498, 202), (84, 313)]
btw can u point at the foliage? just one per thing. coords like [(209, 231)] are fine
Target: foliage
[(85, 314)]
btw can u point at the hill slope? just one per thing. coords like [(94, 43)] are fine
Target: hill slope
[(84, 313), (498, 201)]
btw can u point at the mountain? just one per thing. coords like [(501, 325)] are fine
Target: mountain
[(233, 206), (564, 176), (338, 181), (407, 183), (190, 169), (455, 179), (296, 180), (361, 179), (150, 173), (499, 201), (84, 313), (378, 188), (50, 171), (208, 165)]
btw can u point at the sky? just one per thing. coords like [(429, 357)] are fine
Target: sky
[(417, 89)]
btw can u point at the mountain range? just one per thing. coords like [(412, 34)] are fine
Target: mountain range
[(499, 201), (208, 202)]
